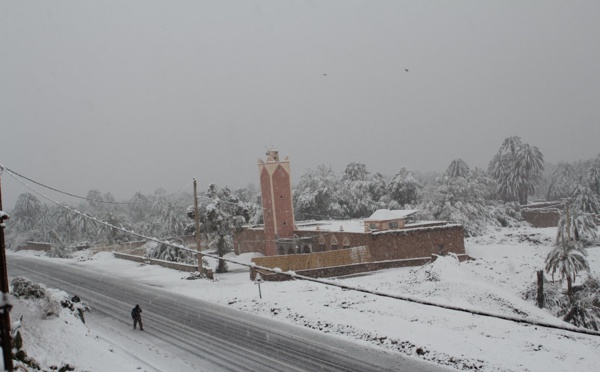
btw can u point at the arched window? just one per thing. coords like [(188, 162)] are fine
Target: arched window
[(334, 243)]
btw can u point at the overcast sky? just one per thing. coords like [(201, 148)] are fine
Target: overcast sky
[(126, 96)]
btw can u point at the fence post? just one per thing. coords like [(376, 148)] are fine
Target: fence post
[(540, 289)]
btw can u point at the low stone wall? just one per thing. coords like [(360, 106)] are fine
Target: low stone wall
[(309, 261), (35, 246), (120, 247), (168, 264), (174, 265), (131, 257), (336, 271), (541, 217), (326, 272)]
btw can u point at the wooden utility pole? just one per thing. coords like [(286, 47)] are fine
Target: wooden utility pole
[(197, 221), (5, 305), (540, 289)]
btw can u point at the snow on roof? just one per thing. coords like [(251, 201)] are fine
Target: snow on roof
[(332, 225), (387, 214)]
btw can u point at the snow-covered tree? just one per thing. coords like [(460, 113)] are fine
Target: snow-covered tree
[(378, 188), (250, 195), (462, 200), (140, 208), (317, 195), (112, 235), (458, 168), (561, 181), (221, 216), (404, 188), (579, 226), (169, 253), (26, 212), (94, 198), (593, 175), (584, 199), (517, 169), (30, 221), (355, 196), (567, 259)]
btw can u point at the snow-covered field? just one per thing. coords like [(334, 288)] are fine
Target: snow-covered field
[(505, 264)]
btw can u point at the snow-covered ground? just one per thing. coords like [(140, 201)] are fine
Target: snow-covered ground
[(505, 264)]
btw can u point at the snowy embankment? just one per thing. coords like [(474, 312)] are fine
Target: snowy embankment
[(55, 337), (504, 266)]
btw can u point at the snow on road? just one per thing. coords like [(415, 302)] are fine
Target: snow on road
[(505, 264)]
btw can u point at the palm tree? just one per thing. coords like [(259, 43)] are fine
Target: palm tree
[(529, 164), (567, 259), (65, 221), (517, 168), (26, 212), (584, 199), (458, 168), (141, 207)]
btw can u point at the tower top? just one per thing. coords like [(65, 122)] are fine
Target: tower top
[(272, 157), (272, 154)]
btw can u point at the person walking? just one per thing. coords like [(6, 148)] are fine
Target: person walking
[(136, 314)]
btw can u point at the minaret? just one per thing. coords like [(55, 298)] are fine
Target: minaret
[(276, 192)]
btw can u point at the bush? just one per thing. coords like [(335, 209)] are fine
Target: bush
[(585, 309), (25, 288)]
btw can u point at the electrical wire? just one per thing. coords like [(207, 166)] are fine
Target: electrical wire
[(82, 197), (10, 171)]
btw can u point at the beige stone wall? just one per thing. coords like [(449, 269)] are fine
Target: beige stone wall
[(309, 261)]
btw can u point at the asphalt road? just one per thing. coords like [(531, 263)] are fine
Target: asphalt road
[(211, 337)]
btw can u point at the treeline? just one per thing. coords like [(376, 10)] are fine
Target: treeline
[(475, 197)]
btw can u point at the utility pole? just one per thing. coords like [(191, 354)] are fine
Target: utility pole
[(197, 221), (5, 305)]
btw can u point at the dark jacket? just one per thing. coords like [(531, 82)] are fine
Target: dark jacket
[(136, 312)]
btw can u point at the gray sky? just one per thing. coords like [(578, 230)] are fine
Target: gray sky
[(126, 96)]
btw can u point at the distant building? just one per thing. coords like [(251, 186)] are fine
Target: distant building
[(385, 219)]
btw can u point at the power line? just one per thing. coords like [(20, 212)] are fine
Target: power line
[(10, 171), (77, 196)]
